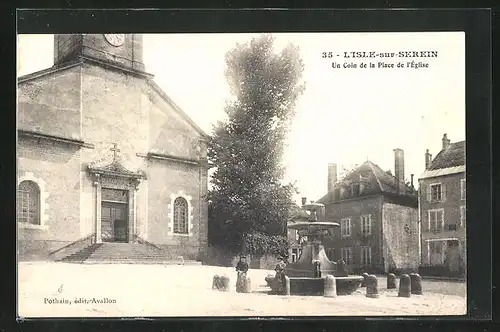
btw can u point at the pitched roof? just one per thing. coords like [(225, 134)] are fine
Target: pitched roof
[(375, 181), (452, 156), (296, 212), (57, 68)]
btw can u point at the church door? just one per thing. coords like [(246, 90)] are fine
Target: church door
[(114, 226)]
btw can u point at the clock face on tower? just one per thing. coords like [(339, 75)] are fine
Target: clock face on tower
[(115, 39)]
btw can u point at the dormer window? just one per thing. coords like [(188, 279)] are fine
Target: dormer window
[(356, 189)]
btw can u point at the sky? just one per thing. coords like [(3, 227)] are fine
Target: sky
[(345, 116)]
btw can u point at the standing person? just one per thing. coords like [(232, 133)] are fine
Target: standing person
[(280, 275), (241, 269)]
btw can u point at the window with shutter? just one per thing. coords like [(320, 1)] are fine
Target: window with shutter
[(462, 189), (436, 192)]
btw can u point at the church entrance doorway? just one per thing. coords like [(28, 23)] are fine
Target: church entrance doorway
[(114, 215)]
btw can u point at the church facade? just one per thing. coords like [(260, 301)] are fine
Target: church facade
[(104, 155)]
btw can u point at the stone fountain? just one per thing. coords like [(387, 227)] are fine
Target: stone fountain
[(307, 274)]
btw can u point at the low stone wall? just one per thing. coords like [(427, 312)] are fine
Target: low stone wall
[(38, 250), (72, 248), (218, 257)]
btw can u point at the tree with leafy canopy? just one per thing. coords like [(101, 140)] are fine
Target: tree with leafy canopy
[(248, 202)]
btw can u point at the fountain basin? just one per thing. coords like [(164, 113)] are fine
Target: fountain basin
[(308, 286), (316, 286)]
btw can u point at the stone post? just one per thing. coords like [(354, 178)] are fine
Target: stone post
[(415, 284), (247, 286), (372, 286), (363, 283), (216, 282), (224, 283), (391, 281), (287, 285), (404, 286), (330, 287)]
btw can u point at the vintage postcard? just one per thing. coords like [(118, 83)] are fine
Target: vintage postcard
[(273, 174)]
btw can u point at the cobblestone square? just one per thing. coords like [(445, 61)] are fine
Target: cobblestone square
[(121, 290)]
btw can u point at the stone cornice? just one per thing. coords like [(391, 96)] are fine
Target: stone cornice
[(35, 134), (111, 65), (183, 160)]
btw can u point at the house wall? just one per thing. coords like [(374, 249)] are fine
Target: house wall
[(400, 237), (451, 208), (354, 209)]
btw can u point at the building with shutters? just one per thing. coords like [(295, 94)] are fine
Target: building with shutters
[(378, 217), (442, 205)]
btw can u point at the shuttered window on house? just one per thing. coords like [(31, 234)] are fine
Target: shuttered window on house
[(366, 224), (366, 256), (436, 220), (436, 193), (345, 227), (346, 255)]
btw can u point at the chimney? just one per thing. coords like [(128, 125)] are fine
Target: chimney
[(428, 159), (411, 181), (399, 169), (446, 141), (332, 176), (304, 201)]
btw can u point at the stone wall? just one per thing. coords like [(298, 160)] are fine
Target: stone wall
[(400, 237), (218, 257), (54, 167), (354, 209), (51, 104)]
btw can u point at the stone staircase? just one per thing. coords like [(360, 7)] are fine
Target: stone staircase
[(124, 253)]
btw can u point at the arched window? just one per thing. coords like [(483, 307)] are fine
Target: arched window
[(180, 216), (28, 203)]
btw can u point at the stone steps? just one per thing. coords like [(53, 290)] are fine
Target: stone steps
[(125, 253)]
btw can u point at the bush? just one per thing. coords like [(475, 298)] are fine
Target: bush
[(260, 244)]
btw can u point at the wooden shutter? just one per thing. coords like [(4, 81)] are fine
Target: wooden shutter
[(429, 197), (443, 192)]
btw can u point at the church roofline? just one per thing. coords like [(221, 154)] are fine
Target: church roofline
[(166, 98), (44, 72), (112, 65)]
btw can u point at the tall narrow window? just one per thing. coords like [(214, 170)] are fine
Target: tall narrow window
[(366, 256), (345, 227), (436, 221), (366, 225), (346, 255), (436, 252), (180, 216), (436, 193), (462, 189), (463, 215), (28, 203)]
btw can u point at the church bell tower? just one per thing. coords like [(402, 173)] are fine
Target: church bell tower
[(121, 50)]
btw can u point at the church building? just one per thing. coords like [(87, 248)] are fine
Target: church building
[(105, 159)]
